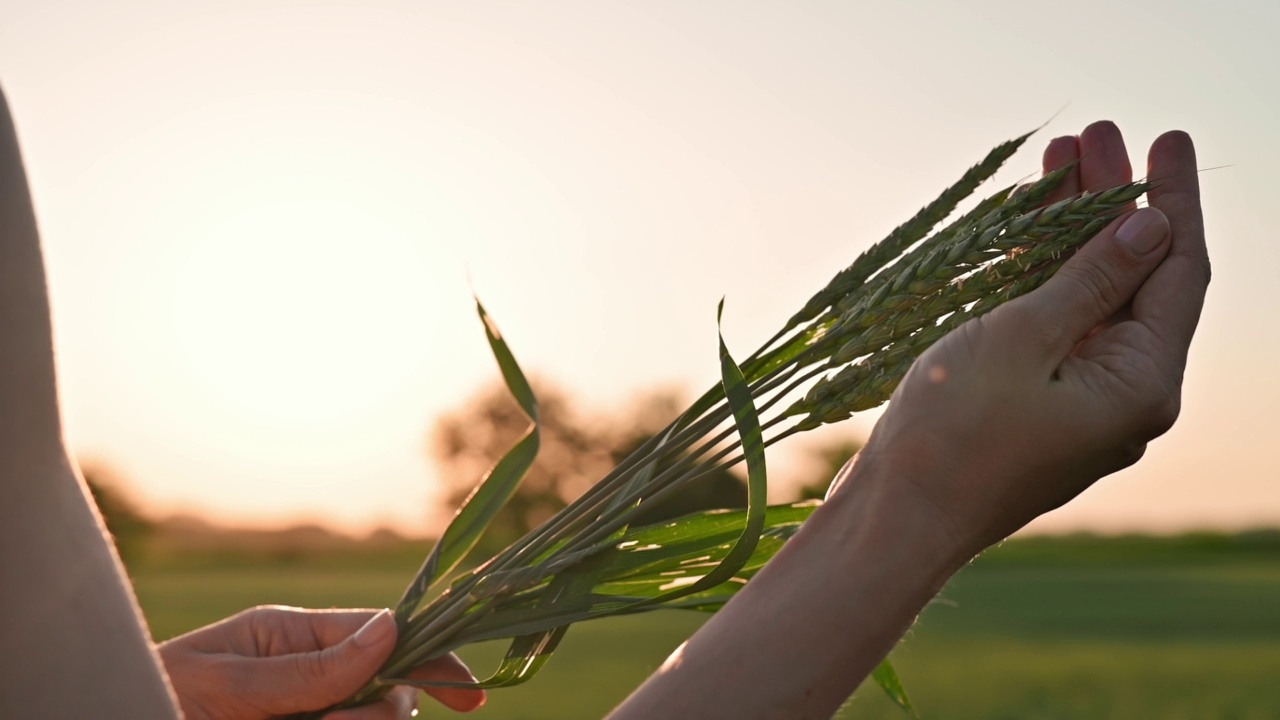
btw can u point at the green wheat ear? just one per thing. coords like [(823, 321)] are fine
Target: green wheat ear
[(844, 351)]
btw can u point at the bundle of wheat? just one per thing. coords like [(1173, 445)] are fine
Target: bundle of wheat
[(843, 352)]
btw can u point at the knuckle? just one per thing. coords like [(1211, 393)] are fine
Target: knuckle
[(1094, 284), (1016, 316), (311, 668), (223, 673), (969, 336), (265, 615), (1020, 321)]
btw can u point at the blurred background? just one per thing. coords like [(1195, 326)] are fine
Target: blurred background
[(263, 221)]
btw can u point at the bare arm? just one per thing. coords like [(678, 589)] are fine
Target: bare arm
[(1006, 418), (812, 624), (1058, 405), (74, 641)]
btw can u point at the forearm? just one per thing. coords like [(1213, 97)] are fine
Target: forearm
[(28, 389), (803, 634), (74, 642), (73, 635)]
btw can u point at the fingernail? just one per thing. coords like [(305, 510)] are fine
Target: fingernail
[(375, 631), (1142, 231)]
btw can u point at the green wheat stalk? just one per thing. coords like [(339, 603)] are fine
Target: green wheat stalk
[(844, 351)]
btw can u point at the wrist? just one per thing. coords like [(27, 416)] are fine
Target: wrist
[(815, 621), (876, 504)]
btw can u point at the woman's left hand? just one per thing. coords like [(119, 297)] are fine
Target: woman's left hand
[(1020, 410), (273, 661)]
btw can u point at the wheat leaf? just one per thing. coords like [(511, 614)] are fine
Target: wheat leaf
[(527, 653), (479, 509), (747, 422), (529, 612), (689, 545), (887, 678)]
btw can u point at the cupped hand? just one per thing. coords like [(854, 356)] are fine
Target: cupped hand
[(273, 661), (1019, 411)]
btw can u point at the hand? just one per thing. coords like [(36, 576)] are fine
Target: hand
[(272, 661), (1019, 411), (1005, 418)]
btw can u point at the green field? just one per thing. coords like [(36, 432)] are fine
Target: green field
[(1185, 628)]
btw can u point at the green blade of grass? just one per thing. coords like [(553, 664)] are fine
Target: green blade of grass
[(527, 653), (768, 358), (653, 554), (646, 560), (642, 477), (525, 657), (534, 612), (479, 509), (747, 422), (887, 678), (568, 599), (690, 545)]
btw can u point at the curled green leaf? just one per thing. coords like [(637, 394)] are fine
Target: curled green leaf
[(479, 509)]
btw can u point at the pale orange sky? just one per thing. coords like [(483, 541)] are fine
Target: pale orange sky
[(259, 220)]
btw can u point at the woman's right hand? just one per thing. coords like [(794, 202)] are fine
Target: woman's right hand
[(273, 661)]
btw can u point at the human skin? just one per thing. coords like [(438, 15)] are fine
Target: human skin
[(282, 660), (1006, 418), (75, 644)]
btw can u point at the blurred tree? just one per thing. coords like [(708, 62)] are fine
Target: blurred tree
[(577, 450), (128, 526), (717, 489)]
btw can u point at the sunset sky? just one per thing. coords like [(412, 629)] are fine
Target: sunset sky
[(262, 218)]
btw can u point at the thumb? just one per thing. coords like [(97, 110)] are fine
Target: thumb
[(1100, 279), (314, 680)]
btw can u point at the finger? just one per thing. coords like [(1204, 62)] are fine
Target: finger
[(1169, 305), (1104, 160), (1061, 152), (325, 627), (300, 681), (1104, 164), (450, 669), (399, 704), (1095, 283), (281, 630)]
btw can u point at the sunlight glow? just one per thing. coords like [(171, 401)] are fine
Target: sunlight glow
[(258, 231), (301, 311), (680, 582), (674, 660)]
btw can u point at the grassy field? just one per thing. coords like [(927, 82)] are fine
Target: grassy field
[(1082, 628)]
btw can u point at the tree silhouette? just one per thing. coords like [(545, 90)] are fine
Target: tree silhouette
[(577, 450)]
